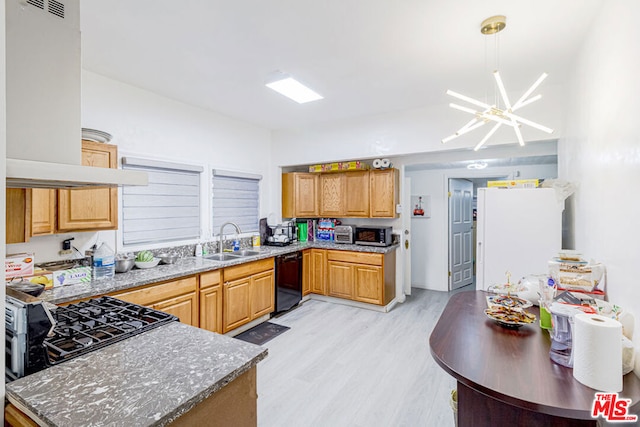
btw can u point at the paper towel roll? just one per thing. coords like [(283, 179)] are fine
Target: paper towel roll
[(385, 163), (377, 163), (597, 352)]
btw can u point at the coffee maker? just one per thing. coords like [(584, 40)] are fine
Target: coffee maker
[(282, 234)]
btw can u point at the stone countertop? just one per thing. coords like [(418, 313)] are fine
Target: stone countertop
[(185, 267), (146, 380)]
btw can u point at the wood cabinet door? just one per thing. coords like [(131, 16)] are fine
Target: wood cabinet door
[(43, 211), (91, 208), (306, 195), (383, 193), (211, 309), (262, 294), (236, 304), (306, 272), (369, 284), (356, 186), (332, 195), (318, 271), (17, 225), (184, 307), (340, 279)]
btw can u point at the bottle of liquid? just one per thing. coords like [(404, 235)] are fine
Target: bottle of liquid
[(104, 264), (198, 250), (236, 243)]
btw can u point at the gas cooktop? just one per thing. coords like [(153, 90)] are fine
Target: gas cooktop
[(90, 325)]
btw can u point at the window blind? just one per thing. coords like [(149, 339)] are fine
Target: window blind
[(235, 198), (168, 209)]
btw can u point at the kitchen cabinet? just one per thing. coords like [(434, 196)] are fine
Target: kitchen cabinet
[(340, 278), (318, 265), (91, 208), (184, 307), (177, 297), (248, 293), (359, 276), (383, 193), (211, 301), (354, 194), (306, 272), (332, 195), (29, 212), (300, 195), (356, 186)]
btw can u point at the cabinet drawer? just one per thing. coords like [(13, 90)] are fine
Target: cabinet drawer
[(210, 278), (356, 257), (155, 293), (244, 270)]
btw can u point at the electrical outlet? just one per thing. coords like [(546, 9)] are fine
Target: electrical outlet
[(65, 252)]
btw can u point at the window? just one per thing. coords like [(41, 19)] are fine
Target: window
[(236, 198), (168, 209)]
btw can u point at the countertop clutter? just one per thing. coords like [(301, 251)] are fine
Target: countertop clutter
[(184, 267), (149, 380)]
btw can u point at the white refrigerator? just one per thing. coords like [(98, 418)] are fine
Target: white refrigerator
[(518, 230)]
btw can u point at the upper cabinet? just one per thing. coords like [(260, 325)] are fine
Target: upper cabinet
[(299, 195), (37, 212), (363, 194), (383, 196), (332, 195), (92, 208)]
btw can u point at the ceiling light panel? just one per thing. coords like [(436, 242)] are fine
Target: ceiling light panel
[(293, 89)]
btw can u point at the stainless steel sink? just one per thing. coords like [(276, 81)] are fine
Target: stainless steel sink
[(246, 252), (221, 257)]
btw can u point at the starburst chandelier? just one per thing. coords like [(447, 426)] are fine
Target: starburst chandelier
[(494, 113)]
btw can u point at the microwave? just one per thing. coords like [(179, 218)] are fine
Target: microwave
[(373, 235)]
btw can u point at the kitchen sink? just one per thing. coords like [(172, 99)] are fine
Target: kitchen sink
[(246, 252), (222, 257)]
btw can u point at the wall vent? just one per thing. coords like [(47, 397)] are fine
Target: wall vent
[(56, 8), (37, 3)]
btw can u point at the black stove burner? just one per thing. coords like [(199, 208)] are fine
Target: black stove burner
[(89, 325)]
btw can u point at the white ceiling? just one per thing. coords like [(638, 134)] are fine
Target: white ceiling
[(364, 56)]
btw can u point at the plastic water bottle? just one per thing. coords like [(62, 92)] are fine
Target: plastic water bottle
[(104, 262)]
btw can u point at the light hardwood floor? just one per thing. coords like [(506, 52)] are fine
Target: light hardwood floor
[(345, 366)]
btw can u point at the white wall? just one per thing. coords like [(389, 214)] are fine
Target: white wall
[(430, 241), (3, 151), (145, 124), (405, 132), (601, 151)]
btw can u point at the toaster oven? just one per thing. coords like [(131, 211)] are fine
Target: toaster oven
[(343, 234)]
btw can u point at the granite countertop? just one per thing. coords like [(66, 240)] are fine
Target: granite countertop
[(185, 267), (147, 380)]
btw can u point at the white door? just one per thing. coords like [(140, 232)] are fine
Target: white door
[(460, 233)]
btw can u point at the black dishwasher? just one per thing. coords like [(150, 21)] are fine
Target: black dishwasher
[(288, 281)]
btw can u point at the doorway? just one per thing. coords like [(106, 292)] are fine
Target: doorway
[(462, 229)]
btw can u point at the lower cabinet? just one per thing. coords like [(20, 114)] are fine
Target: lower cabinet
[(306, 272), (248, 293), (177, 297), (184, 307), (211, 301), (318, 265), (359, 276)]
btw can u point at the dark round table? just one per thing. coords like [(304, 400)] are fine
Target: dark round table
[(505, 376)]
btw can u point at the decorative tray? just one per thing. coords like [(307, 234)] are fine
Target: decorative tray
[(510, 317)]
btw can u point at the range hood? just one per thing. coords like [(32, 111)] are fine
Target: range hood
[(44, 139)]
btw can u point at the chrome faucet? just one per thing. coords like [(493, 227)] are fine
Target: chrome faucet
[(221, 235)]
